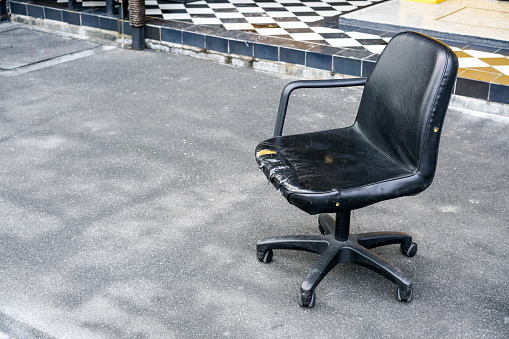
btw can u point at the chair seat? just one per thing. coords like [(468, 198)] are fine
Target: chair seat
[(332, 171)]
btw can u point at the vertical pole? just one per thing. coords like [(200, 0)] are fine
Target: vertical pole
[(137, 19), (138, 36), (4, 14), (125, 7), (110, 7), (342, 226), (74, 5)]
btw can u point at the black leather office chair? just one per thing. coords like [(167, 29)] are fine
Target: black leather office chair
[(390, 151)]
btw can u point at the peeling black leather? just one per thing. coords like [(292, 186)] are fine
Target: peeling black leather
[(391, 149)]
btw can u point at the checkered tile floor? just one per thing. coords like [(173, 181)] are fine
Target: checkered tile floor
[(294, 19), (303, 20), (484, 66)]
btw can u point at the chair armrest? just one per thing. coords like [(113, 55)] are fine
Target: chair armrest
[(285, 95)]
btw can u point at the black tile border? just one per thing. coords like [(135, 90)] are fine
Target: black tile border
[(35, 11), (241, 48), (52, 14), (347, 61), (89, 20), (292, 56), (216, 44), (266, 52), (318, 60), (193, 39), (18, 8), (345, 65), (109, 24), (73, 18), (153, 32), (499, 93), (472, 88), (171, 35)]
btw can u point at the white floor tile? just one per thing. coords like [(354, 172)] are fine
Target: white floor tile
[(502, 69), (325, 30), (229, 15), (238, 26), (171, 6), (176, 16), (250, 10), (269, 4), (471, 62), (299, 9), (207, 21), (281, 14), (306, 36), (153, 11), (375, 49), (310, 18), (327, 13), (345, 8), (200, 11), (271, 31), (293, 24), (260, 20), (221, 5), (359, 35), (343, 42), (481, 54)]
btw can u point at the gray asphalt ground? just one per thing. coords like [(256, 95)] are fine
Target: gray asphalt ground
[(131, 204)]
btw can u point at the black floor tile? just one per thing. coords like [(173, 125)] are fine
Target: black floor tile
[(72, 18), (367, 67), (193, 39), (266, 52), (216, 44), (109, 24), (90, 20), (499, 93), (18, 8), (171, 35), (345, 65), (52, 14), (292, 56), (35, 11), (472, 88), (319, 61), (241, 48), (152, 32)]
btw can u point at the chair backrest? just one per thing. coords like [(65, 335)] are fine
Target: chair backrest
[(405, 100)]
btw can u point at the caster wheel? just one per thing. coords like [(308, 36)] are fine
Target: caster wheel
[(321, 229), (405, 295), (409, 250), (308, 302), (324, 220), (265, 256)]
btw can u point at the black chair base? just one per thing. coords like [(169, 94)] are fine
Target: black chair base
[(336, 245)]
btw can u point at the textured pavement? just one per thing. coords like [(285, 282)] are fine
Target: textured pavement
[(131, 204)]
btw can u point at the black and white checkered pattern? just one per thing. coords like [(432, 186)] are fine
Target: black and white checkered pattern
[(295, 19), (299, 20)]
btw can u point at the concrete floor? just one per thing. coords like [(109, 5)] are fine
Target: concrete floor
[(131, 204)]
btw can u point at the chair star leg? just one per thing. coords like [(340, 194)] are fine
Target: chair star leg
[(325, 263), (309, 243), (376, 239), (364, 257), (326, 223)]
